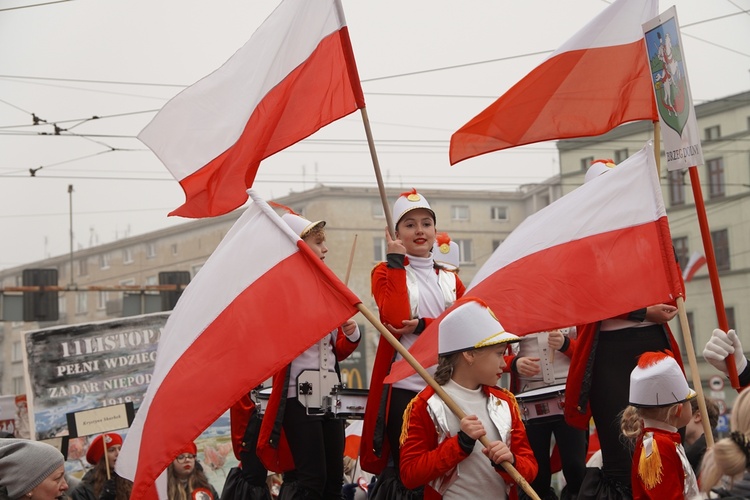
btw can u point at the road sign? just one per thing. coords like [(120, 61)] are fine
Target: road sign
[(716, 383)]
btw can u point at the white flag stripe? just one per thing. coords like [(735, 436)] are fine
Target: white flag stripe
[(550, 226), (256, 68), (618, 24)]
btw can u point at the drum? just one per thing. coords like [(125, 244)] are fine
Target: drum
[(349, 403), (261, 400), (542, 402)]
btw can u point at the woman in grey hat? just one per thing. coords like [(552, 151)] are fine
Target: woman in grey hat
[(31, 470)]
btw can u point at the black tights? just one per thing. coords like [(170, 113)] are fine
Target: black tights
[(616, 355)]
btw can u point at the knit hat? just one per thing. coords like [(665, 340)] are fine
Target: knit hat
[(445, 252), (658, 381), (96, 449), (189, 448), (408, 201), (471, 325), (25, 464), (597, 168)]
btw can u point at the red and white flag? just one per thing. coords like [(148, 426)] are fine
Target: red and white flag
[(261, 299), (600, 251), (596, 81), (295, 75), (696, 261)]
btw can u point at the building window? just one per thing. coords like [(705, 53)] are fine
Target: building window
[(586, 162), (127, 256), (83, 267), (82, 305), (730, 317), (720, 240), (150, 250), (713, 133), (464, 251), (376, 209), (17, 353), (682, 251), (101, 301), (499, 213), (194, 269), (716, 177), (621, 155), (676, 187), (103, 261), (379, 248), (174, 248), (152, 280), (495, 244), (19, 387), (691, 326), (459, 212)]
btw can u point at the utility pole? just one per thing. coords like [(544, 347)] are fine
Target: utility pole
[(70, 195)]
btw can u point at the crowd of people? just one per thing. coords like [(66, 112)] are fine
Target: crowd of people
[(458, 435)]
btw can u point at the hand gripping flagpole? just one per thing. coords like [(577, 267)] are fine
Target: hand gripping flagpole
[(457, 411)]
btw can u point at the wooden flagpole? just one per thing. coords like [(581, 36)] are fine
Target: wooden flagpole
[(687, 336), (517, 477), (351, 260), (378, 175)]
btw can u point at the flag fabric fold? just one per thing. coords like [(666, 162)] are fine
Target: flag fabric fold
[(600, 251), (696, 261), (596, 81), (260, 300), (295, 75)]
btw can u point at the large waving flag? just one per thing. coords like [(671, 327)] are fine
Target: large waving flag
[(596, 81), (261, 299), (600, 251), (295, 75)]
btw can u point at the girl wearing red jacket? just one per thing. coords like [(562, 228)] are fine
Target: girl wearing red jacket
[(409, 290), (443, 453)]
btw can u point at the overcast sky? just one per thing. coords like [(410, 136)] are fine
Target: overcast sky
[(427, 67)]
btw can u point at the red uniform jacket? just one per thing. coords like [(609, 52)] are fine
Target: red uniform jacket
[(423, 459), (392, 298), (273, 449), (672, 482)]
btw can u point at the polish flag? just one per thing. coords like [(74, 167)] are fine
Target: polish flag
[(696, 261), (261, 299), (295, 75), (600, 251), (353, 435), (596, 81)]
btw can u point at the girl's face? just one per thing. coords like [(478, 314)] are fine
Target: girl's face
[(52, 487), (684, 418), (416, 230), (184, 465), (112, 453), (487, 364), (317, 242)]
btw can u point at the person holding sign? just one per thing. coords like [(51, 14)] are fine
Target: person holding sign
[(31, 470), (186, 479), (443, 453), (101, 482)]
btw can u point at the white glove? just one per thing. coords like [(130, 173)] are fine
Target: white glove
[(719, 346)]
